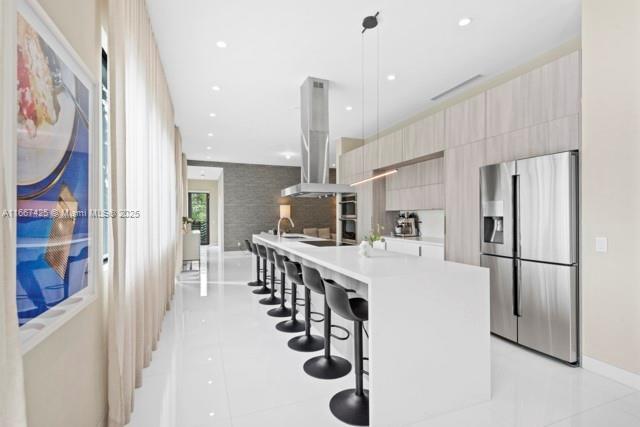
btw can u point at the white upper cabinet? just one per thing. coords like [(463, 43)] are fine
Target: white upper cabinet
[(542, 95), (424, 137), (390, 149), (465, 122)]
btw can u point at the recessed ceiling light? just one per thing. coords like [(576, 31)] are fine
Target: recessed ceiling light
[(208, 157), (210, 134), (348, 108), (215, 88), (209, 359), (287, 156), (212, 114), (209, 147), (221, 44), (463, 22), (391, 77), (210, 382), (211, 414), (333, 165)]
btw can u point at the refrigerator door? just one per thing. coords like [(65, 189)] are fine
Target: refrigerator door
[(503, 321), (547, 308), (496, 209), (547, 208)]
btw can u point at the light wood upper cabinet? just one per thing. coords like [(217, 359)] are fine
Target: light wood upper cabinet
[(465, 122), (544, 94), (350, 166), (390, 149), (424, 137), (462, 202), (417, 186), (370, 156)]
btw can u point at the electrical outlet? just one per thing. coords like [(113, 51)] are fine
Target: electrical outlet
[(601, 244)]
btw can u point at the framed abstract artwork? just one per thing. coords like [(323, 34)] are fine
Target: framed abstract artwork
[(54, 145)]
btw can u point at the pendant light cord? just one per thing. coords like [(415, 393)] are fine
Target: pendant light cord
[(362, 79)]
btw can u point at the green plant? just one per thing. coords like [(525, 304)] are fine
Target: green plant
[(376, 235), (186, 220)]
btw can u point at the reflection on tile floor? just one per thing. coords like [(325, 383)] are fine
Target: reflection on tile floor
[(221, 362)]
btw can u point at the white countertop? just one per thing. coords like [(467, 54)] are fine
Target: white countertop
[(346, 260), (436, 241)]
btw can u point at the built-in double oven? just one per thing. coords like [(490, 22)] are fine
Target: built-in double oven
[(348, 216)]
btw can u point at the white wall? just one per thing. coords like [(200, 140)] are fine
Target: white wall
[(611, 181), (65, 375)]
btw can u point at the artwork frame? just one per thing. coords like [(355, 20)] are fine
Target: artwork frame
[(78, 172)]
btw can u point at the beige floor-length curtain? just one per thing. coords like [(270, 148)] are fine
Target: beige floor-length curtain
[(12, 398), (181, 185), (143, 181)]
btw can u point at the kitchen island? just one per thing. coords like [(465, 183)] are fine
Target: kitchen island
[(428, 326)]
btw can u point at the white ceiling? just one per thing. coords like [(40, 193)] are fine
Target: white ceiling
[(274, 45), (200, 172)]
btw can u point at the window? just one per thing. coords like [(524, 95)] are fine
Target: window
[(199, 212), (104, 146)]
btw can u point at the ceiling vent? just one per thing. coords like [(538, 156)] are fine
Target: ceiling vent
[(456, 87)]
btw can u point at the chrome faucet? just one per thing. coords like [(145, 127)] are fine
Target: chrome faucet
[(280, 220)]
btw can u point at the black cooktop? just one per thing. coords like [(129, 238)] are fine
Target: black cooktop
[(325, 243)]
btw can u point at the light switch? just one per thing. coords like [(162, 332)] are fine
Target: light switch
[(601, 244)]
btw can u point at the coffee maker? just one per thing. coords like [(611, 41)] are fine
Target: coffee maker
[(406, 225)]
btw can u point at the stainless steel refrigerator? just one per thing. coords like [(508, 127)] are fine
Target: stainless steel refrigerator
[(529, 233)]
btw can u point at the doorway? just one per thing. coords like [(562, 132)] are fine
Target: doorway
[(199, 212)]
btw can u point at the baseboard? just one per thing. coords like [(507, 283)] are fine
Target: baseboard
[(620, 375)]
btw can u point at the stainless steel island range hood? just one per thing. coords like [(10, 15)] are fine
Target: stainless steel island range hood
[(314, 141)]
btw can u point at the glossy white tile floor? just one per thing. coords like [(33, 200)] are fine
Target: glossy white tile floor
[(221, 362)]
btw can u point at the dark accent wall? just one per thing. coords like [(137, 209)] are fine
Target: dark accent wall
[(252, 197)]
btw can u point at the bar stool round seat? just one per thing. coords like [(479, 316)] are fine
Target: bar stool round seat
[(272, 299), (352, 405), (326, 366), (252, 249), (262, 253), (293, 274), (282, 310)]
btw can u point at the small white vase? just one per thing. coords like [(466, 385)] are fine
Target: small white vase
[(364, 249)]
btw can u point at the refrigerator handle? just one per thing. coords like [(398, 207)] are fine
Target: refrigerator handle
[(518, 288), (515, 200)]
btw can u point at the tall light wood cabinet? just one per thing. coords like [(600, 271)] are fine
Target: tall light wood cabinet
[(424, 137), (462, 200), (390, 149), (542, 95), (465, 122)]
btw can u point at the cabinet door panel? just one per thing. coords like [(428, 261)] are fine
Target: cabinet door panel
[(462, 202), (370, 156), (465, 122), (432, 252), (390, 149)]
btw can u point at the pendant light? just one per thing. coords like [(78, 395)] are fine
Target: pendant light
[(369, 23)]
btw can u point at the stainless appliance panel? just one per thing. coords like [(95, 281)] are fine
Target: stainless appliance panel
[(503, 321), (547, 214), (547, 309), (496, 207)]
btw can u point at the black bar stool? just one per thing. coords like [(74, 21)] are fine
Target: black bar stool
[(271, 299), (262, 252), (326, 366), (352, 405), (293, 274), (307, 342), (282, 311), (251, 248)]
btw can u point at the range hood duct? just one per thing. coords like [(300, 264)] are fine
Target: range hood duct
[(314, 143)]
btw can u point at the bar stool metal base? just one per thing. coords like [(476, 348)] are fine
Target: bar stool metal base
[(270, 300), (327, 368), (280, 312), (306, 343), (255, 283), (351, 408), (262, 291), (290, 325)]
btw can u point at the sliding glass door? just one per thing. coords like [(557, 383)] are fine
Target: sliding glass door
[(199, 212)]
